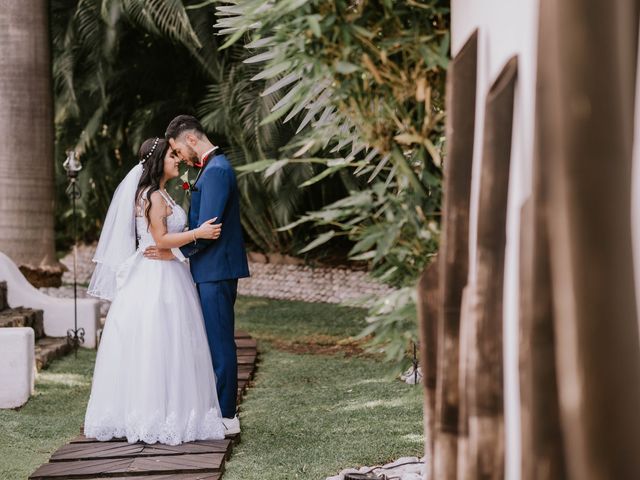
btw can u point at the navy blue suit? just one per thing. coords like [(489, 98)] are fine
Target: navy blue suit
[(216, 266)]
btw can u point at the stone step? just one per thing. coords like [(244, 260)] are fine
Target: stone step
[(23, 317), (48, 349), (4, 304)]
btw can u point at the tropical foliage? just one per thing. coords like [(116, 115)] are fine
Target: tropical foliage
[(333, 111), (367, 80), (124, 68)]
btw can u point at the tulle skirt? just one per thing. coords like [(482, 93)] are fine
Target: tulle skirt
[(153, 378)]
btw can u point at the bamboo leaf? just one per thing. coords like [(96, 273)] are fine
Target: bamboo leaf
[(321, 239), (272, 71), (275, 166), (283, 82), (258, 166), (314, 25), (325, 173)]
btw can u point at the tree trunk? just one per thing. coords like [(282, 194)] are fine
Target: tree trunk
[(454, 252), (485, 407), (26, 129), (586, 89)]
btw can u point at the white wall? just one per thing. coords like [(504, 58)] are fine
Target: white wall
[(505, 28)]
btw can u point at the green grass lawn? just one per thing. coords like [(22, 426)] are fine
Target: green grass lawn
[(309, 414), (49, 419)]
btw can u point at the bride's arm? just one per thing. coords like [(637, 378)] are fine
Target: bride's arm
[(158, 214)]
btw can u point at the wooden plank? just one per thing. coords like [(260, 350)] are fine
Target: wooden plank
[(441, 338), (247, 352), (248, 360), (246, 343), (82, 439), (591, 228), (541, 430), (182, 476), (428, 295), (485, 394), (189, 463), (97, 450), (242, 334)]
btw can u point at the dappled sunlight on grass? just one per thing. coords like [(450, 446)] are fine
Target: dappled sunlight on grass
[(367, 381), (373, 404), (66, 379), (412, 437), (288, 321)]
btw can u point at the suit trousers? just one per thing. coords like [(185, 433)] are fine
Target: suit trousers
[(217, 300)]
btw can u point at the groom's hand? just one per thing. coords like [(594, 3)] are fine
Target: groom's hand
[(155, 253)]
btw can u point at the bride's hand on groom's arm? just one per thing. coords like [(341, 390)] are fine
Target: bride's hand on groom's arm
[(155, 253), (208, 230)]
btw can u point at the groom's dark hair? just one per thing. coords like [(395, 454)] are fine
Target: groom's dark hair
[(181, 124)]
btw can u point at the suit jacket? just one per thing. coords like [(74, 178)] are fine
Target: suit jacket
[(215, 194)]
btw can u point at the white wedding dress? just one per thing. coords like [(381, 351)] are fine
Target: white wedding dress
[(153, 378)]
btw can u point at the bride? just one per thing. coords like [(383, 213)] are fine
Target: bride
[(153, 378)]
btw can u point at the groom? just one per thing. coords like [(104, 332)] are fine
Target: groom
[(216, 265)]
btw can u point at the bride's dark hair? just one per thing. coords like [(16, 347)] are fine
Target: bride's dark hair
[(151, 155)]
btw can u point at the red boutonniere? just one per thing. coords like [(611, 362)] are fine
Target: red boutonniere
[(186, 185)]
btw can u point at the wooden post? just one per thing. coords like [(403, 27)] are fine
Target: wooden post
[(541, 432), (463, 387), (485, 380), (428, 302), (586, 85), (542, 454), (454, 252)]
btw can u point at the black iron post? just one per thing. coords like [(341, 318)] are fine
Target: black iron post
[(75, 335)]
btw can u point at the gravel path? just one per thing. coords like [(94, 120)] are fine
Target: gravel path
[(286, 282)]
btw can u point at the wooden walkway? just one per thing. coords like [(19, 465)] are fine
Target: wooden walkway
[(202, 460)]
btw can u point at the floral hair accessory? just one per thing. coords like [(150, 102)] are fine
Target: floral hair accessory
[(153, 148)]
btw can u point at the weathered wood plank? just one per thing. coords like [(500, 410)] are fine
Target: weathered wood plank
[(453, 257), (182, 476), (249, 343), (139, 465), (428, 293), (486, 401), (541, 431), (248, 360), (97, 450), (586, 102), (82, 439)]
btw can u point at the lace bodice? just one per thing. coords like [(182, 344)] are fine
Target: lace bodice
[(176, 221)]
